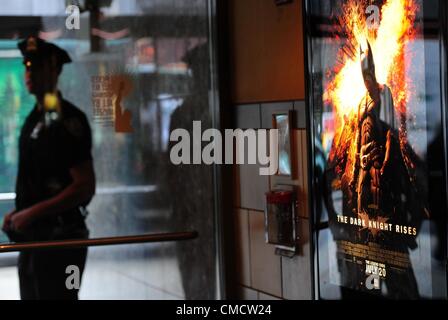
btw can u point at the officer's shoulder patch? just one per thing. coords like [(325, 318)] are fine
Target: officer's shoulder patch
[(74, 126)]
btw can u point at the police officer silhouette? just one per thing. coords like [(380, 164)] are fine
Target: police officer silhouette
[(55, 179)]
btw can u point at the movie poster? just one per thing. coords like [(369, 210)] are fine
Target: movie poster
[(376, 102)]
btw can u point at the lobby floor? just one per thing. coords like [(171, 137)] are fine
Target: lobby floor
[(146, 272)]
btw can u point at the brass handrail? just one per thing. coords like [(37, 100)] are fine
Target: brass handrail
[(79, 243)]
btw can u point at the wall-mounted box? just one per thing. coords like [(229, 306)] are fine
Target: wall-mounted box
[(280, 220)]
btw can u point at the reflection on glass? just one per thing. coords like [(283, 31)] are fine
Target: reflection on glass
[(136, 55)]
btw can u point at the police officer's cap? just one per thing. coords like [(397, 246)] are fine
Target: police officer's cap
[(35, 49)]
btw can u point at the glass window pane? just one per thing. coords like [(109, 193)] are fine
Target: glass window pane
[(140, 70)]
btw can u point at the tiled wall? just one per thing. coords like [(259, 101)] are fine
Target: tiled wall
[(267, 64), (261, 273)]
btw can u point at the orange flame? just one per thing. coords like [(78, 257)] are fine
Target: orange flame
[(389, 45)]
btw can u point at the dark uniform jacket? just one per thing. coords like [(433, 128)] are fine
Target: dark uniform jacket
[(47, 152)]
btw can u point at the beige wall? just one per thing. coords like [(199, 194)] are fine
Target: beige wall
[(266, 51)]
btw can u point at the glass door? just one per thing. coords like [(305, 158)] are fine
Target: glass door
[(140, 69)]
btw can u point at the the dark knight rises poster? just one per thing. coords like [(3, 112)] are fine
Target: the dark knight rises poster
[(377, 114)]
